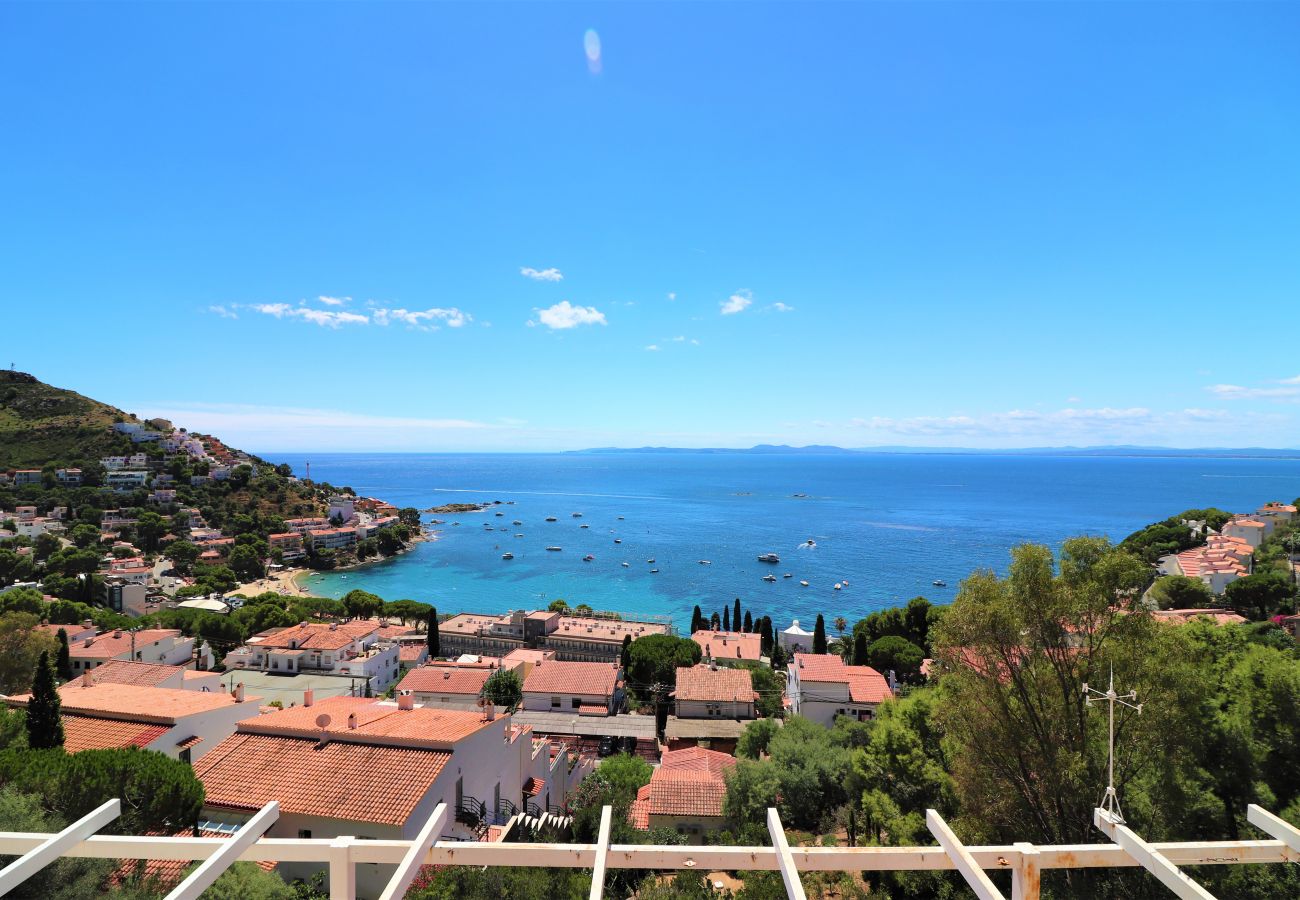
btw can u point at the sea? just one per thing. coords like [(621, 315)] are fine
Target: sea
[(667, 531)]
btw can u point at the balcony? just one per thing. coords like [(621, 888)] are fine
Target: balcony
[(1025, 862)]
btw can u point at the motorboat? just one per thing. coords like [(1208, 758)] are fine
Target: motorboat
[(803, 584), (618, 540), (653, 571), (650, 561), (500, 514), (939, 583), (769, 558), (516, 522), (620, 518), (577, 515), (588, 558), (626, 565), (552, 519), (769, 578), (584, 525), (706, 562), (838, 586), (809, 544), (555, 549), (507, 556), (787, 575)]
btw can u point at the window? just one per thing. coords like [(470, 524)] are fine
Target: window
[(555, 703), (304, 834), (577, 701)]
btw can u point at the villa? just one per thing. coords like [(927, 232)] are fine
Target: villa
[(821, 687)]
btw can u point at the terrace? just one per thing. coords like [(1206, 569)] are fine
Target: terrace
[(1025, 862)]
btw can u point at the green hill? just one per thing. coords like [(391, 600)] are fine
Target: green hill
[(40, 423)]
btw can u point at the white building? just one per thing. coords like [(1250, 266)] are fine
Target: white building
[(125, 479), (821, 687), (713, 692), (587, 688), (342, 509), (357, 649), (795, 640), (153, 645)]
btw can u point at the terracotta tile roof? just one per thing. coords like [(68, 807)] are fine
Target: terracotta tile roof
[(1218, 616), (721, 685), (697, 759), (729, 644), (137, 703), (112, 644), (165, 874), (376, 721), (866, 685), (125, 671), (556, 677), (591, 709), (90, 733), (445, 680), (685, 792), (412, 652), (638, 813), (1246, 523), (339, 780), (534, 786), (313, 636), (188, 742)]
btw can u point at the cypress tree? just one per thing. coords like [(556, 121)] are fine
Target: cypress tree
[(735, 614), (435, 645), (749, 623), (44, 725), (778, 658), (698, 622), (63, 662), (726, 619), (819, 635), (860, 649), (765, 641), (625, 655), (715, 623)]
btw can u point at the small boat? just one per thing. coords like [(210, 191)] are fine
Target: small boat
[(500, 514), (516, 522), (653, 571), (584, 525), (803, 584), (769, 578), (938, 583), (618, 540), (577, 515), (650, 561), (706, 562), (551, 519), (519, 535), (555, 549), (507, 556), (838, 586), (620, 518), (845, 582), (809, 544), (787, 575), (769, 558), (588, 558), (626, 565)]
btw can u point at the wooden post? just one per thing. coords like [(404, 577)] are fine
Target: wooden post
[(789, 873), (970, 870), (43, 854), (602, 854), (414, 858), (1149, 858), (1026, 877)]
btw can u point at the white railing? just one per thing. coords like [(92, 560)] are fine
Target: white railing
[(341, 855)]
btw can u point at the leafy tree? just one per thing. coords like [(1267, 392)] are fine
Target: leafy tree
[(246, 564), (68, 877), (435, 645), (514, 882), (504, 688), (1262, 595), (715, 621), (819, 635), (769, 687), (362, 604), (409, 516), (149, 528), (21, 646), (84, 535), (24, 600), (183, 555), (1180, 592), (558, 605), (614, 783), (63, 661), (407, 610), (44, 722), (655, 658), (756, 737), (898, 654)]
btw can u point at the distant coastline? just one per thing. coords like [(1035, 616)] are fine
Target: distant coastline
[(1100, 451)]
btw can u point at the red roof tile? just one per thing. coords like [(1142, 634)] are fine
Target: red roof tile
[(685, 792), (556, 677), (125, 671), (89, 733), (339, 780), (375, 721), (729, 644), (445, 680), (696, 759), (721, 685)]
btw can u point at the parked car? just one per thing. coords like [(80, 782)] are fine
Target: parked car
[(607, 744)]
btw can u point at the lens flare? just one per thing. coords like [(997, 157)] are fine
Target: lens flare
[(591, 45)]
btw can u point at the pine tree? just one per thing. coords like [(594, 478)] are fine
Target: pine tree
[(819, 635), (63, 662), (860, 649), (435, 645), (698, 622), (44, 723), (726, 619), (735, 614), (749, 623)]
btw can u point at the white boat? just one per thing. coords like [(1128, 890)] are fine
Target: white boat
[(588, 558), (650, 561), (584, 525), (626, 565), (507, 556), (706, 562), (653, 571), (938, 583), (769, 558), (787, 575), (769, 578), (555, 549), (577, 515), (838, 586), (618, 540), (803, 584)]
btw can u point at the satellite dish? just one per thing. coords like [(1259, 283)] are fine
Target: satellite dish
[(323, 720)]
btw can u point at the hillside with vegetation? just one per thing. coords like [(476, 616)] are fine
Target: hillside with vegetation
[(40, 422)]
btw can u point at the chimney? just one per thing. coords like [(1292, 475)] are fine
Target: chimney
[(405, 701), (308, 697), (490, 711), (87, 680), (239, 692), (334, 626), (352, 720)]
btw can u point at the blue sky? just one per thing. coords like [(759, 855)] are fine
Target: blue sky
[(447, 227)]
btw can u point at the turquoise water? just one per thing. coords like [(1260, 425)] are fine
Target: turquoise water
[(887, 524)]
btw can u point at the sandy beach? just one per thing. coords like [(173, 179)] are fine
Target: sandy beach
[(284, 581)]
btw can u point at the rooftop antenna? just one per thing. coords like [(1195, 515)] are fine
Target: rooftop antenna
[(1110, 802)]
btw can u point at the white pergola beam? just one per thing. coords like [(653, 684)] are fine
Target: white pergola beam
[(211, 868), (48, 851), (602, 853), (411, 862), (1273, 826), (965, 863), (789, 872), (1149, 857), (343, 871), (1026, 877)]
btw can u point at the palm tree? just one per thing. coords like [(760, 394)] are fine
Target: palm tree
[(840, 624)]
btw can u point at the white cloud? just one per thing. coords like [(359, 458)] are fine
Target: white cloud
[(1073, 400), (1289, 391), (652, 346), (223, 312), (1295, 380), (737, 302), (424, 319), (334, 301), (780, 307), (323, 317), (565, 315), (672, 295), (541, 274), (679, 339)]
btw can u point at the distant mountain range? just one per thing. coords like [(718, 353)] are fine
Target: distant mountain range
[(827, 450)]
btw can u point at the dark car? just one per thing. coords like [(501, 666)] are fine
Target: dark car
[(606, 746)]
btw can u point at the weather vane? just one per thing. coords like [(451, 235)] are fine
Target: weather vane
[(1110, 802)]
